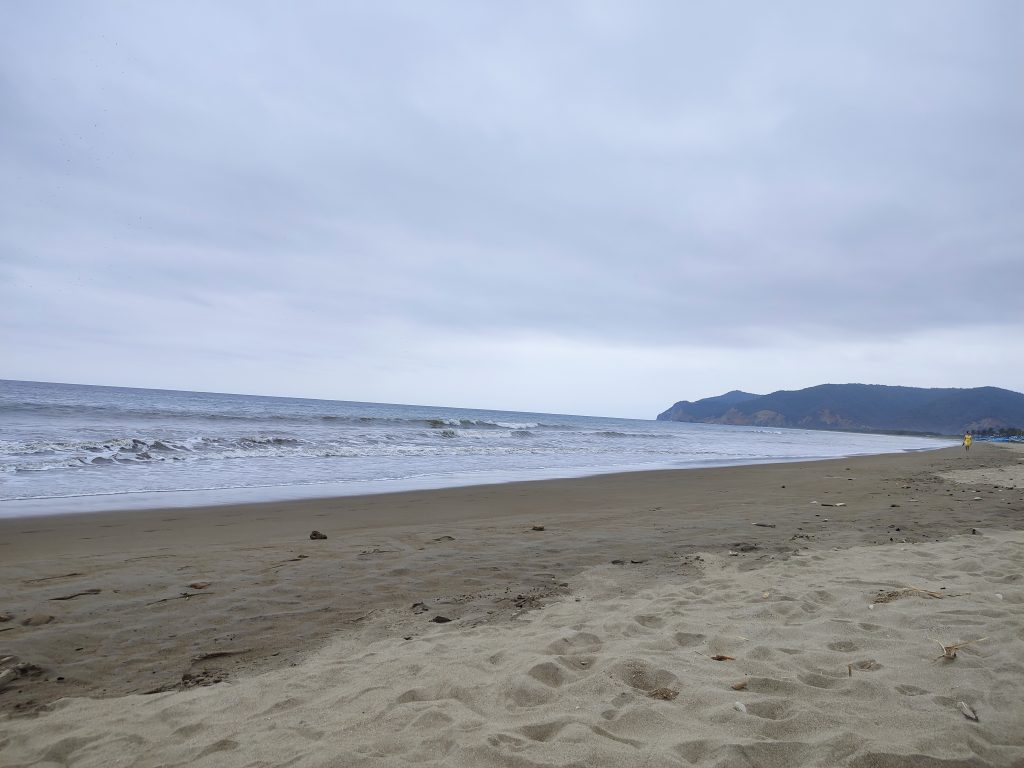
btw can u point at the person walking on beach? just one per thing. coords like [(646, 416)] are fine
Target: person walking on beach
[(967, 442)]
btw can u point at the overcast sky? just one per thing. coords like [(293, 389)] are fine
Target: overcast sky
[(588, 207)]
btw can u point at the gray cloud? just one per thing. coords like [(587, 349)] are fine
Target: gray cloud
[(351, 186)]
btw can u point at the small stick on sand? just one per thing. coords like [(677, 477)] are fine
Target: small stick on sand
[(182, 596), (78, 594), (51, 578)]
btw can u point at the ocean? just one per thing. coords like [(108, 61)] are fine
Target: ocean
[(70, 448)]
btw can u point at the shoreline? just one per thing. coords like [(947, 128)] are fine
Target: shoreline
[(134, 502), (274, 601)]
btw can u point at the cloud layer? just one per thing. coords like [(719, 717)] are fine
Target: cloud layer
[(592, 207)]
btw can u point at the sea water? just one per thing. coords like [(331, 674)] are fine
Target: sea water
[(66, 447)]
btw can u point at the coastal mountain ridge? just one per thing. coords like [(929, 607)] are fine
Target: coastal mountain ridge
[(860, 407)]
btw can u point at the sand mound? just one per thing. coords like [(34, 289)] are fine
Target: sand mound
[(827, 676)]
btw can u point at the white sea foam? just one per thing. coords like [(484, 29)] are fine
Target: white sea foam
[(71, 441)]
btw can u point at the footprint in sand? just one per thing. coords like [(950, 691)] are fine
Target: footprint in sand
[(544, 731), (773, 709), (638, 674), (910, 690), (549, 674), (687, 639), (843, 646), (815, 680), (581, 642)]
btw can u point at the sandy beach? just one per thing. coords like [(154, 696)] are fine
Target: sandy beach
[(857, 612)]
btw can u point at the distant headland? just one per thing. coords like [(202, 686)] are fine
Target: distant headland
[(863, 407)]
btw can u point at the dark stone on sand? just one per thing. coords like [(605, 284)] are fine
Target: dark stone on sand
[(744, 547), (538, 528), (317, 535), (618, 562), (445, 538), (440, 619)]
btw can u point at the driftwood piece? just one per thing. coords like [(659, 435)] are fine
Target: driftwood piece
[(949, 651)]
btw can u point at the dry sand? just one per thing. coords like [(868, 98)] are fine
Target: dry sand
[(553, 650)]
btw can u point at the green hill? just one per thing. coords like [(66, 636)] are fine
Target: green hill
[(861, 407)]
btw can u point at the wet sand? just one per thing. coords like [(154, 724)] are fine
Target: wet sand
[(556, 637)]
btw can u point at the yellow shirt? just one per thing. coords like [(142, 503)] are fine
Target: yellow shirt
[(967, 440)]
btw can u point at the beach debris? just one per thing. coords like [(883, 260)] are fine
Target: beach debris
[(974, 531), (865, 665), (218, 654), (740, 686), (78, 594), (665, 694), (537, 528), (445, 538), (17, 670), (317, 535), (637, 562), (6, 617), (742, 546), (618, 562), (51, 578), (967, 711), (949, 651), (896, 594), (182, 596), (440, 619), (37, 620), (739, 706), (199, 584), (765, 595), (765, 525), (722, 657), (204, 678), (283, 563), (999, 596), (419, 607)]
